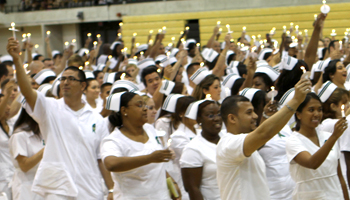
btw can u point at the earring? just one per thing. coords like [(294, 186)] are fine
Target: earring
[(200, 124), (125, 114)]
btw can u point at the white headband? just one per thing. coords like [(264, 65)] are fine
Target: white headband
[(287, 97), (269, 71), (113, 101), (326, 90), (199, 75), (130, 86), (170, 102), (165, 62), (89, 74), (230, 80), (167, 87), (192, 109), (288, 62), (209, 54), (114, 44), (43, 74), (263, 52), (145, 63), (249, 93)]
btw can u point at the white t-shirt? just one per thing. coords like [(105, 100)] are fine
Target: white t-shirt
[(274, 154), (240, 177), (25, 144), (202, 153), (72, 148), (322, 183), (147, 182), (164, 124), (6, 166), (180, 138)]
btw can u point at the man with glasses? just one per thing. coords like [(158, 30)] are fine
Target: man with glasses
[(71, 165)]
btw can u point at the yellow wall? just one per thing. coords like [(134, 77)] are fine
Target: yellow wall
[(257, 21)]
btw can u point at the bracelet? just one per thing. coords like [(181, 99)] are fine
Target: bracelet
[(110, 191), (265, 115), (290, 108), (166, 78)]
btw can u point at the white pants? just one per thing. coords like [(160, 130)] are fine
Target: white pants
[(57, 197), (4, 187)]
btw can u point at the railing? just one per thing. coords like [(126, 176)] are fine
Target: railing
[(64, 4)]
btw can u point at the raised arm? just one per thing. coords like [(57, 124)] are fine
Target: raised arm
[(48, 48), (66, 54), (154, 51), (275, 123), (23, 81), (212, 38), (251, 68), (314, 161), (311, 50), (220, 66)]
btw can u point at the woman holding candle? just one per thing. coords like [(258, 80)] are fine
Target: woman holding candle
[(198, 159), (132, 153), (314, 155), (207, 83)]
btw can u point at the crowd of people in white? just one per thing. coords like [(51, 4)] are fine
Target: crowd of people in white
[(242, 119)]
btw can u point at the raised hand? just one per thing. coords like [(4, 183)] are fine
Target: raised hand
[(340, 127), (13, 48), (302, 88)]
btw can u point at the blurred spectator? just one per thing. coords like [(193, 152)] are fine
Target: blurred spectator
[(2, 5)]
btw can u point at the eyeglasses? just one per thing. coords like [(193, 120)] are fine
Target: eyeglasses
[(144, 105), (69, 79), (212, 116)]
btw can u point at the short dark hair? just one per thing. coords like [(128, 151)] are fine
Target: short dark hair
[(330, 70), (332, 44), (105, 85), (242, 69), (190, 68), (37, 57), (147, 71), (3, 70), (46, 59), (230, 106), (81, 73)]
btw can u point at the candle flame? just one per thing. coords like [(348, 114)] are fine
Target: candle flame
[(134, 34), (218, 22), (198, 45), (164, 27), (227, 25), (173, 38), (36, 46), (121, 24), (303, 69), (150, 31), (29, 34), (98, 35), (343, 107), (110, 56), (95, 43), (122, 77), (187, 28), (74, 40), (89, 34), (87, 63), (48, 32), (13, 24), (244, 28), (137, 44), (66, 43), (208, 97)]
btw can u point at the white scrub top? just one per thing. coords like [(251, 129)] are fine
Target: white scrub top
[(180, 138), (25, 144), (201, 153), (240, 177), (72, 149), (274, 154), (322, 183), (6, 166), (147, 182)]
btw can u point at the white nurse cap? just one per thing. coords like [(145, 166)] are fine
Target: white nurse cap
[(170, 102), (167, 87)]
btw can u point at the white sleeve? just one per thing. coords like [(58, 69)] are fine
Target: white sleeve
[(191, 158), (18, 145), (102, 131), (178, 143), (293, 147), (344, 140), (233, 148), (110, 147)]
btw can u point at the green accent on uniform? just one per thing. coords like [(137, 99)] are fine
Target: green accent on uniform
[(94, 128), (44, 142), (157, 138), (281, 135)]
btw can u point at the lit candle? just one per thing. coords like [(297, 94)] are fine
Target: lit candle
[(220, 30), (110, 57), (181, 32), (28, 36), (202, 64), (253, 49), (187, 28), (284, 29), (296, 27), (170, 44), (73, 41), (125, 52), (36, 46), (159, 70), (87, 52), (291, 25), (150, 42), (272, 92), (95, 44), (341, 45), (66, 44), (169, 142), (135, 57), (208, 97), (288, 33), (242, 45), (121, 24), (325, 8), (24, 37), (87, 63), (218, 23), (198, 45), (168, 55), (254, 38), (48, 33), (244, 28), (134, 35), (150, 32), (164, 29), (306, 32), (333, 33), (141, 53), (119, 35), (274, 29), (303, 69), (81, 67), (160, 30), (89, 35), (173, 39), (137, 44), (228, 28), (259, 36), (315, 16), (262, 46), (342, 111), (13, 29), (122, 77), (98, 36)]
